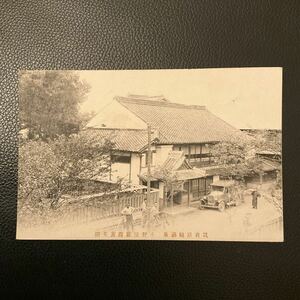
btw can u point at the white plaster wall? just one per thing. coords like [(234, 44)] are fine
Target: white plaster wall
[(184, 149), (143, 160), (135, 168), (120, 170), (123, 170), (216, 178), (115, 115), (162, 152)]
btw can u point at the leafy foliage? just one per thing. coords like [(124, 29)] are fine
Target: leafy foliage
[(81, 156), (238, 157), (56, 159), (172, 185), (38, 172), (49, 169), (49, 102), (268, 140), (232, 157)]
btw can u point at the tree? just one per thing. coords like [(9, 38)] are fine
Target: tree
[(238, 158), (231, 156), (85, 117), (49, 102), (38, 171), (80, 156), (171, 183), (48, 169), (269, 140)]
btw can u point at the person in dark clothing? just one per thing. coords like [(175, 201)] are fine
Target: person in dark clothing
[(255, 195)]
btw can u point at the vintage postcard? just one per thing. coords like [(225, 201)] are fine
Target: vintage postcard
[(151, 155)]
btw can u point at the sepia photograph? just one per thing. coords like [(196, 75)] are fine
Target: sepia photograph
[(179, 154)]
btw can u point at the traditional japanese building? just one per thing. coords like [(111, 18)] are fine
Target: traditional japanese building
[(180, 139)]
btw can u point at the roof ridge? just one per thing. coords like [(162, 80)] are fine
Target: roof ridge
[(146, 97), (159, 103), (181, 124), (109, 128)]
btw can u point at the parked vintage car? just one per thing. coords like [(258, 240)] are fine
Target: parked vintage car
[(222, 194)]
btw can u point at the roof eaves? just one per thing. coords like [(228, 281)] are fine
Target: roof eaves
[(153, 142)]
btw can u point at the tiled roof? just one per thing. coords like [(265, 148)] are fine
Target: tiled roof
[(178, 167), (175, 160), (268, 165), (133, 140), (178, 175), (269, 152), (190, 174), (179, 123)]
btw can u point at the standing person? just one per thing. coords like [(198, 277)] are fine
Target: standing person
[(255, 195), (154, 213), (127, 212), (144, 205), (145, 214)]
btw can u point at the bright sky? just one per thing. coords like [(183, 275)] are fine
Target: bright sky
[(244, 97)]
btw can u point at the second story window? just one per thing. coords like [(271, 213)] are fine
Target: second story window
[(199, 155)]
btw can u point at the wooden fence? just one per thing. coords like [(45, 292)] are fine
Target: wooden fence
[(96, 208)]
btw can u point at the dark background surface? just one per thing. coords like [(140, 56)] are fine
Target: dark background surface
[(149, 35)]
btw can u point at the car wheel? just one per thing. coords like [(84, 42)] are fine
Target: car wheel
[(221, 206)]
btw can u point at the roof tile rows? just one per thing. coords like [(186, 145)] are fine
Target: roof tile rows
[(123, 139), (173, 123), (174, 160), (175, 166), (180, 124)]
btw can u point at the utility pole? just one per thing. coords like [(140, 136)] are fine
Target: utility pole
[(148, 164), (172, 197)]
